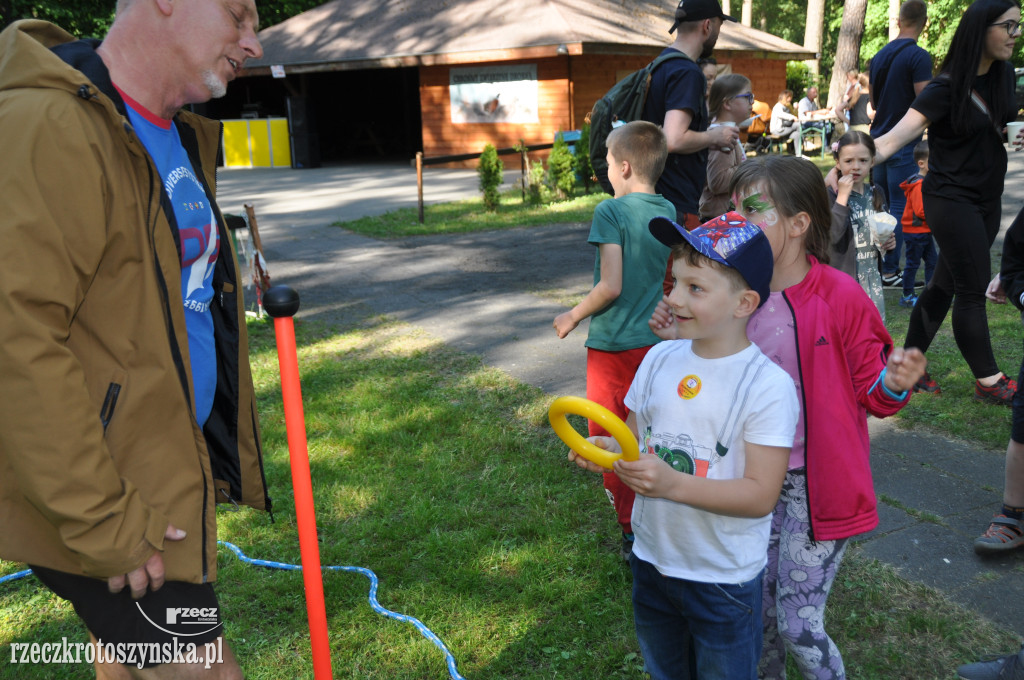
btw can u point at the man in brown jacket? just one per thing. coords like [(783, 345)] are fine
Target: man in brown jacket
[(126, 403)]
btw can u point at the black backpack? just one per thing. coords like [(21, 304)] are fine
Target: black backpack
[(623, 103)]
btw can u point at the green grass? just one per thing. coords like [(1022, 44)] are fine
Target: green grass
[(469, 215), (442, 476)]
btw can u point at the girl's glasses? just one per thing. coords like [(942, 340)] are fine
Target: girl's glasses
[(1012, 27), (749, 96)]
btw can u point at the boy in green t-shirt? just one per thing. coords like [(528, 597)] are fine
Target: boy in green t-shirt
[(628, 273)]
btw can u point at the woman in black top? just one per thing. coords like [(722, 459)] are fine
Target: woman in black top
[(965, 109)]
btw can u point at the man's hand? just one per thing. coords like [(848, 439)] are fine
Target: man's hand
[(723, 137), (904, 368), (150, 575), (564, 324), (662, 322)]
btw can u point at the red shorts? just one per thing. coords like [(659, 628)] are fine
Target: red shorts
[(609, 375)]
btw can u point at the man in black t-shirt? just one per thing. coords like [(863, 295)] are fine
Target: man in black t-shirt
[(899, 72), (676, 101)]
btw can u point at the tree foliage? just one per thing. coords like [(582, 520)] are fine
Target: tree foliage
[(92, 18), (787, 19), (82, 18)]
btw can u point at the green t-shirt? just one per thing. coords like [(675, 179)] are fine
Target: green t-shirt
[(623, 221)]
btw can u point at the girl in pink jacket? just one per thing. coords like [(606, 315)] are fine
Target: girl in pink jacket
[(820, 326)]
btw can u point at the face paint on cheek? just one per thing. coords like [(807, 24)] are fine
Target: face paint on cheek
[(758, 209), (756, 202)]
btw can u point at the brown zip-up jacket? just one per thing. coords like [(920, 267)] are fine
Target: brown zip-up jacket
[(99, 445)]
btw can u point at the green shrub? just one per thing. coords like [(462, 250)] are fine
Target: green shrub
[(535, 186), (562, 168), (490, 172), (583, 167), (798, 78)]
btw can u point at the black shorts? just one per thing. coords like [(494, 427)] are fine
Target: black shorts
[(179, 613)]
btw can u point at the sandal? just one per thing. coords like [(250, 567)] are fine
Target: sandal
[(1002, 534)]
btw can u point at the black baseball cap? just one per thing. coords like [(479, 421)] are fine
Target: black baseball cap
[(698, 10)]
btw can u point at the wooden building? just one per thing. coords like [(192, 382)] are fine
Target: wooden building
[(387, 78)]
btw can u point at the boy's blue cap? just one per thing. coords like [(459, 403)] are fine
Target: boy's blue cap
[(730, 240)]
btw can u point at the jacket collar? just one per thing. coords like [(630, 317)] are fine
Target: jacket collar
[(81, 55)]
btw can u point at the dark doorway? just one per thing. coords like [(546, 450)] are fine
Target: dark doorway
[(364, 115)]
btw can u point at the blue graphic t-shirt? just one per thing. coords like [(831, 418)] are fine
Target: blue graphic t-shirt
[(199, 244)]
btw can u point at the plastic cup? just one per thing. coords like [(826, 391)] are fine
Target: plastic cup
[(1012, 129)]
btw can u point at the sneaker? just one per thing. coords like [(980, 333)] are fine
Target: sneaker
[(894, 280), (1004, 668), (627, 546), (908, 300), (1001, 393), (926, 384), (1002, 534)]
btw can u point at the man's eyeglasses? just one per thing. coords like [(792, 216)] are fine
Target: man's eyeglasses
[(749, 96), (1012, 27)]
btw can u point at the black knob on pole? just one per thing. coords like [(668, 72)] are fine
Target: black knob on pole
[(281, 301)]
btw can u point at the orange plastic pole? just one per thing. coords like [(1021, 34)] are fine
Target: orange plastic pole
[(281, 303)]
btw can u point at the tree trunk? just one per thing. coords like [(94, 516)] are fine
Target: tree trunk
[(748, 7), (894, 15), (848, 48), (812, 34)]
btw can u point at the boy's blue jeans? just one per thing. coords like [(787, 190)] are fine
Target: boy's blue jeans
[(722, 620), (919, 247)]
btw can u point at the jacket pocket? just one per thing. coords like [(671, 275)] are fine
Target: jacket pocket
[(109, 404)]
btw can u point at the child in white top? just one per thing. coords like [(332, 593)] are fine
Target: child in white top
[(719, 418)]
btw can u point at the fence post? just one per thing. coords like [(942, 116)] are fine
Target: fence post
[(522, 166), (419, 182)]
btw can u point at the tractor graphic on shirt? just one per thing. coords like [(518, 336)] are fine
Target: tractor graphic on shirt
[(681, 453)]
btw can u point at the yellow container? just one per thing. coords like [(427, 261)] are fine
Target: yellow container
[(257, 143)]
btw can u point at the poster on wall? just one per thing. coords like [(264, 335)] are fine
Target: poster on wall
[(494, 94)]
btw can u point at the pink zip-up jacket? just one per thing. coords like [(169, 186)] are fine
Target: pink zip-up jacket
[(842, 347)]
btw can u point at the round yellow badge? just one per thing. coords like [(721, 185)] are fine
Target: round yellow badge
[(689, 387)]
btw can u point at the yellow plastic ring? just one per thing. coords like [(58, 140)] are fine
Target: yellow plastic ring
[(600, 415)]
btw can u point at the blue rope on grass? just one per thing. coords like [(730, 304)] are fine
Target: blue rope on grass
[(15, 576), (424, 631)]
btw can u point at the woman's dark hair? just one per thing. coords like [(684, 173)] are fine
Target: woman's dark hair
[(856, 137), (795, 185), (964, 56)]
